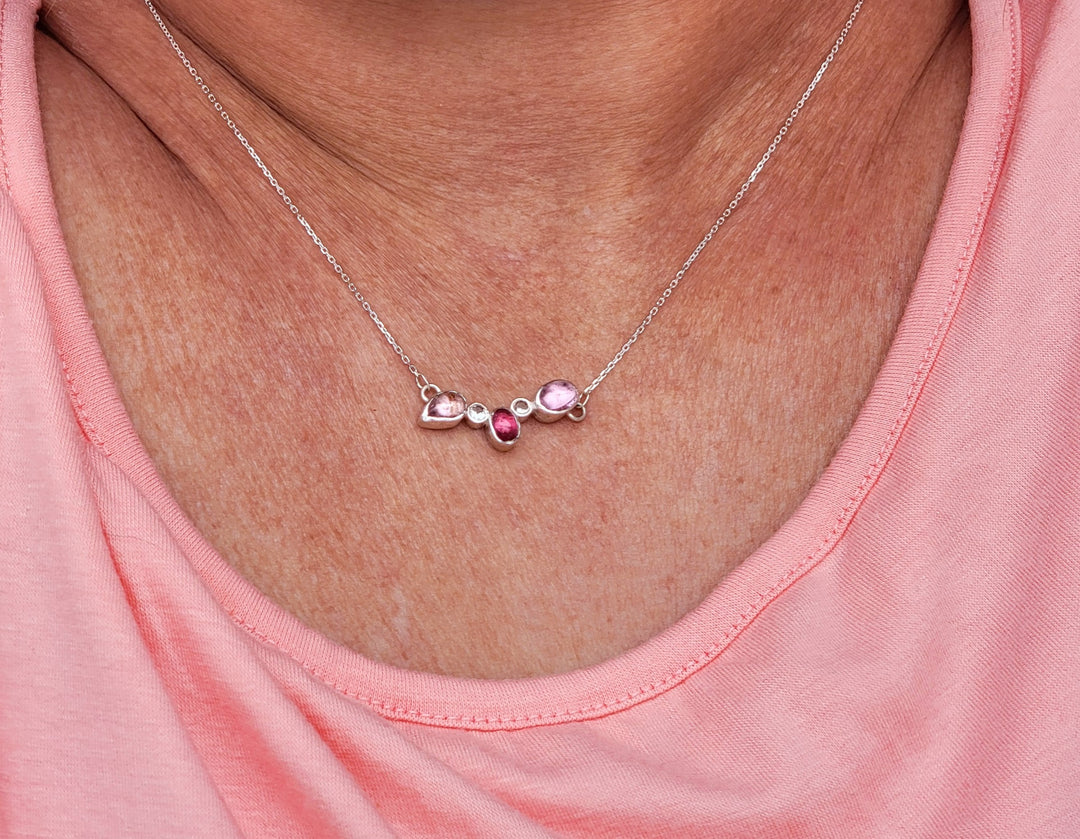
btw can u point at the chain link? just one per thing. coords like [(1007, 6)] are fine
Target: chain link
[(421, 380)]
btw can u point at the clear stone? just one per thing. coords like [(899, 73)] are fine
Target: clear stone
[(522, 408), (478, 413)]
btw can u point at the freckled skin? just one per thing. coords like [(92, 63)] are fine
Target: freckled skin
[(511, 192)]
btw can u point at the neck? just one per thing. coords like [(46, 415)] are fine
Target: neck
[(534, 105), (548, 103), (523, 143)]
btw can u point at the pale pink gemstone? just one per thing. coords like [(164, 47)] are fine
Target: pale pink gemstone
[(559, 395), (505, 425), (447, 405)]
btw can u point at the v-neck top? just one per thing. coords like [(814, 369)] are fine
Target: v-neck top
[(901, 658)]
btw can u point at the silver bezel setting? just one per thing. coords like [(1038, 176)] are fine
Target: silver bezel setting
[(427, 420), (543, 414), (522, 408), (476, 414)]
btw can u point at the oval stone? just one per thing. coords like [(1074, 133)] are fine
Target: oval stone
[(505, 425), (558, 396)]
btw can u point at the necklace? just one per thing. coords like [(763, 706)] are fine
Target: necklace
[(558, 398)]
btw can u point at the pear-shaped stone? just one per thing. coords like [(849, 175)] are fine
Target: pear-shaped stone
[(443, 410)]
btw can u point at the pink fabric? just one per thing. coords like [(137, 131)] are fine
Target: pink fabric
[(901, 659)]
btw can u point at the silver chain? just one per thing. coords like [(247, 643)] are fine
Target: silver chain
[(422, 380)]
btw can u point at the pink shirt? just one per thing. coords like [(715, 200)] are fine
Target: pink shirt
[(902, 658)]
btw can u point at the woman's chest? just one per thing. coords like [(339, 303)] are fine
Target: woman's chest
[(286, 429)]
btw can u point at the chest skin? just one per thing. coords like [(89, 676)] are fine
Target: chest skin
[(286, 430)]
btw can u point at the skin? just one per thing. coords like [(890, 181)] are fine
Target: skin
[(510, 184)]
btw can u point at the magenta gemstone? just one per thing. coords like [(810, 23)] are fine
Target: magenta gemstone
[(558, 396), (505, 425), (447, 405)]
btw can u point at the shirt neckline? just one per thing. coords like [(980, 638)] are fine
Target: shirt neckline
[(700, 636)]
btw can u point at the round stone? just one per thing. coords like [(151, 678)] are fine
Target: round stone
[(558, 396), (447, 405), (477, 414), (505, 425)]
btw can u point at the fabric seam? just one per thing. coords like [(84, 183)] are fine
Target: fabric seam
[(3, 84), (85, 423)]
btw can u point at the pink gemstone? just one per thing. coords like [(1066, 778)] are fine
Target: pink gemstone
[(448, 404), (505, 425), (558, 396)]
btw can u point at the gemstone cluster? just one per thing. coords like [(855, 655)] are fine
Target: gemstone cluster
[(553, 401)]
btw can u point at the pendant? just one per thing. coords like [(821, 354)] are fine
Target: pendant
[(553, 401)]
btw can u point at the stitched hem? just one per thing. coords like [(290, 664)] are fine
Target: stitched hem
[(3, 80)]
